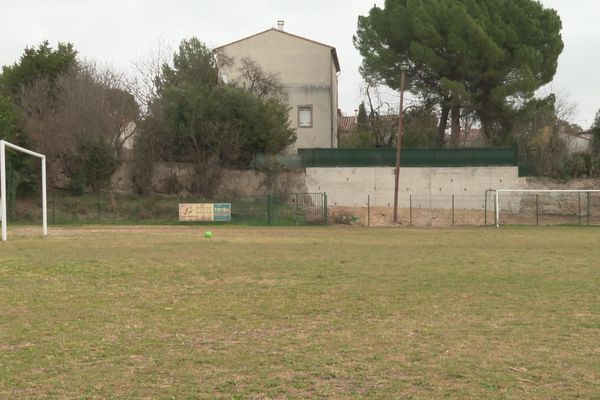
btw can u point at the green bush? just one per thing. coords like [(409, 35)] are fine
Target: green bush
[(577, 165), (362, 139), (92, 166)]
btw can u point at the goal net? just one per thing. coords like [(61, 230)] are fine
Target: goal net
[(546, 207), (3, 192)]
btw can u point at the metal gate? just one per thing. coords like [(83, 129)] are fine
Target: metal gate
[(297, 209)]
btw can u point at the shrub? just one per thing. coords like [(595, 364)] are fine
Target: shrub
[(92, 166)]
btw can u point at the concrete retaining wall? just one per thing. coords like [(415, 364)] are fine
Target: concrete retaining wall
[(429, 187), (420, 188)]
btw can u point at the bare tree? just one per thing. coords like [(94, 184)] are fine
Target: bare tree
[(85, 104), (383, 119), (43, 121), (143, 82), (253, 78)]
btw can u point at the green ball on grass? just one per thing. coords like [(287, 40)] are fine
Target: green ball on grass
[(208, 234)]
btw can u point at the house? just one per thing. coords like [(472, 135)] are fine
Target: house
[(578, 142), (347, 124), (307, 70)]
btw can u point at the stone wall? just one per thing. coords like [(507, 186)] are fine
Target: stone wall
[(231, 184)]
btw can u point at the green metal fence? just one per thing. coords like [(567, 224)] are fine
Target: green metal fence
[(297, 209), (286, 161), (132, 209), (409, 158)]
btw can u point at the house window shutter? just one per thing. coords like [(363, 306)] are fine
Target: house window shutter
[(305, 117)]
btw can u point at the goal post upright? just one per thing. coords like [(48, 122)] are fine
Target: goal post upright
[(498, 191), (497, 210), (3, 145), (3, 188)]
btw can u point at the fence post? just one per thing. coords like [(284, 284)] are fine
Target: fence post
[(579, 194), (325, 212), (369, 211), (98, 206), (410, 210), (537, 209), (53, 205), (137, 210), (269, 211), (588, 208), (496, 209), (452, 210), (485, 208)]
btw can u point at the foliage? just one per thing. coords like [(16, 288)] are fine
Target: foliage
[(9, 119), (485, 54), (195, 119), (358, 139), (193, 62), (542, 138), (420, 128), (538, 136), (42, 62), (91, 166), (86, 104), (596, 136), (578, 165), (362, 120), (74, 112), (24, 170)]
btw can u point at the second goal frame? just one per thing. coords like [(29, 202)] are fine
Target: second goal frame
[(3, 145)]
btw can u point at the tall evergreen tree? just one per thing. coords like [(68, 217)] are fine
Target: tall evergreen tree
[(362, 119), (42, 62), (487, 54)]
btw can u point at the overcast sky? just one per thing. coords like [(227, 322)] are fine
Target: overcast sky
[(118, 32)]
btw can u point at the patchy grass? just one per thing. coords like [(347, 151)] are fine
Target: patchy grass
[(136, 313)]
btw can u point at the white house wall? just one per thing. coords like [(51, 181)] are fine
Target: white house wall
[(305, 71)]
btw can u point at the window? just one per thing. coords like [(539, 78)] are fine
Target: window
[(305, 117)]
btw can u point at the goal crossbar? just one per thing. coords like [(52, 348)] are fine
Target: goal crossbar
[(498, 191), (3, 145)]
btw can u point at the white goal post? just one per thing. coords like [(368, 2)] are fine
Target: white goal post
[(3, 146), (500, 191)]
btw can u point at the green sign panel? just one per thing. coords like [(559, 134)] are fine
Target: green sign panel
[(222, 212)]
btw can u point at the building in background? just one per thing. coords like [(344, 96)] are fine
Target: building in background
[(307, 70)]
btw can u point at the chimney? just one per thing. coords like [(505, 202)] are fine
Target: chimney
[(280, 24)]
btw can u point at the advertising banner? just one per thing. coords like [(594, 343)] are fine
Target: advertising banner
[(205, 212)]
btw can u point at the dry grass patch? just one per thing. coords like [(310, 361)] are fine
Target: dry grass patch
[(160, 312)]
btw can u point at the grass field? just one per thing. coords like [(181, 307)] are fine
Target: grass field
[(144, 313)]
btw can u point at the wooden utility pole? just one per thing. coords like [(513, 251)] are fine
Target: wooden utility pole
[(403, 69)]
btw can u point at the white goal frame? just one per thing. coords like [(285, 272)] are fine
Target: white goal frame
[(3, 145), (498, 191)]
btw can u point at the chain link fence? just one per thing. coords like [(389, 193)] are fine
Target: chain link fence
[(448, 210), (131, 209), (302, 209)]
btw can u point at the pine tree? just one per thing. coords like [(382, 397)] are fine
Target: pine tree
[(485, 54)]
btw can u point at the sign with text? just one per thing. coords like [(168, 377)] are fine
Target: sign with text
[(205, 212)]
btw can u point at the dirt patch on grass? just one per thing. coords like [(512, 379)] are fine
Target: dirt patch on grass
[(423, 217)]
